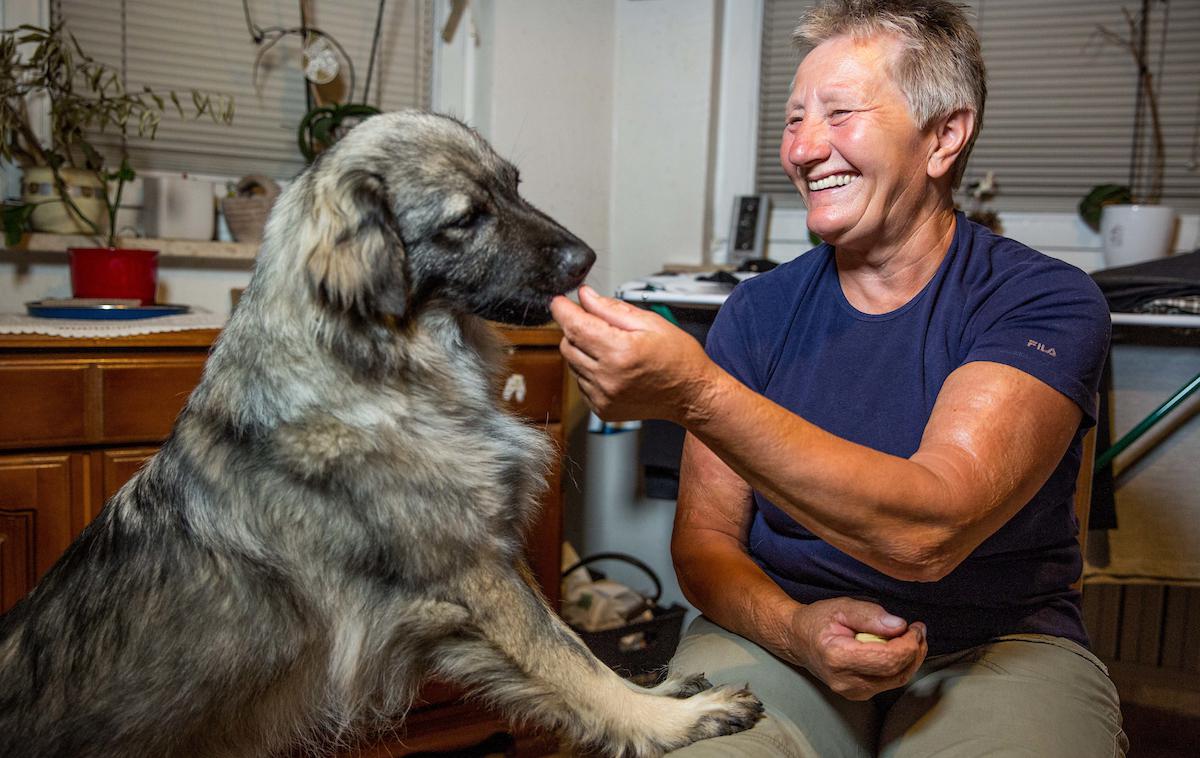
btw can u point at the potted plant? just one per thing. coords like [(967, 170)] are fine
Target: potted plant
[(980, 191), (1132, 224), (67, 186)]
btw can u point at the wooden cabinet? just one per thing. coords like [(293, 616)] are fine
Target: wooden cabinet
[(76, 419), (37, 501), (79, 416)]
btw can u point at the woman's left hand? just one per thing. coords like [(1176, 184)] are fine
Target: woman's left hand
[(631, 363)]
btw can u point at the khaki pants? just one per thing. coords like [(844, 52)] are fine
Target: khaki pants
[(1026, 695)]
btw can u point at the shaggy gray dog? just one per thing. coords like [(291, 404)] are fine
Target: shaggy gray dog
[(337, 514)]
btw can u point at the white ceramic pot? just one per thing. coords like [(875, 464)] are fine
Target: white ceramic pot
[(50, 214), (178, 207), (1136, 233)]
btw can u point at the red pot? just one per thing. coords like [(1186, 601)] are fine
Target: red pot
[(113, 272)]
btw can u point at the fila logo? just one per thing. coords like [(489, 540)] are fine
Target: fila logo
[(1042, 348)]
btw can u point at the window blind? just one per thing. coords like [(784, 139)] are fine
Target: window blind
[(1061, 102), (779, 62), (183, 45)]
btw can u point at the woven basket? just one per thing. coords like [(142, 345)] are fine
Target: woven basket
[(640, 650), (246, 213)]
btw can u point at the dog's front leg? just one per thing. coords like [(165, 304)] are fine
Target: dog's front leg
[(520, 656)]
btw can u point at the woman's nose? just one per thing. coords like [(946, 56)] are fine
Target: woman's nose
[(806, 144)]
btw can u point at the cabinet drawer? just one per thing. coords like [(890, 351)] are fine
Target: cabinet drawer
[(81, 401), (140, 400), (532, 384), (41, 404)]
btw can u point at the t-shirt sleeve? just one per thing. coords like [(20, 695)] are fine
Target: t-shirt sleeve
[(1051, 321), (728, 341)]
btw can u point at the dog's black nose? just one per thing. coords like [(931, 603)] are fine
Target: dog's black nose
[(576, 261)]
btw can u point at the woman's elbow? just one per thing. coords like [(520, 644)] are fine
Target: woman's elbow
[(929, 558), (683, 556)]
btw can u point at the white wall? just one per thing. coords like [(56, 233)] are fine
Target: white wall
[(662, 129), (608, 109), (544, 101)]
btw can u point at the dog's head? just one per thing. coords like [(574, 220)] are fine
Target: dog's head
[(411, 208)]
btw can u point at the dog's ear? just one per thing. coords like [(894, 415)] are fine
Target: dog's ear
[(357, 261)]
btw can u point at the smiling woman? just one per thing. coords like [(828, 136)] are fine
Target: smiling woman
[(877, 441)]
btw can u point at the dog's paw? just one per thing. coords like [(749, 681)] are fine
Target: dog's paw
[(678, 712), (724, 710), (683, 686)]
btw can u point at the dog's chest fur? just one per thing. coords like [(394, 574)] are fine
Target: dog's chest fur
[(458, 472)]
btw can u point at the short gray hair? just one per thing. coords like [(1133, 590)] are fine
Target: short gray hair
[(940, 70)]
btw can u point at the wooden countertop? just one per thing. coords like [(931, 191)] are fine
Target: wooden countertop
[(533, 336)]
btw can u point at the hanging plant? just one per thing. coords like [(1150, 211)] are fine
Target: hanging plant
[(324, 125)]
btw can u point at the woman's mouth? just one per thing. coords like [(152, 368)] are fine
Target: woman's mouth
[(833, 180)]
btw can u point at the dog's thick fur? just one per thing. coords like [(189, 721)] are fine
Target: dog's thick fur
[(338, 511)]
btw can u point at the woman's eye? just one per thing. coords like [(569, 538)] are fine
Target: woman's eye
[(839, 114)]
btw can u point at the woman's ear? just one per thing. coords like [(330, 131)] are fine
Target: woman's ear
[(953, 134)]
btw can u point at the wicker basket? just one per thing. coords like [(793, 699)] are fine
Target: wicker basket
[(246, 213), (639, 650)]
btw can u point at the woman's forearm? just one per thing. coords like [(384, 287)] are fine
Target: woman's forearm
[(723, 583), (993, 438), (881, 509)]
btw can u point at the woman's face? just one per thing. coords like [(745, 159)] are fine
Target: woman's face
[(851, 147)]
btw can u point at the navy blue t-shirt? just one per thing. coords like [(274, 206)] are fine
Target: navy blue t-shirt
[(791, 335)]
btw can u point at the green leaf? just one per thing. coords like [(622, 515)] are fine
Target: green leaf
[(16, 219), (1092, 205), (126, 172)]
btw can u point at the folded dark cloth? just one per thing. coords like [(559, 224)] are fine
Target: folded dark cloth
[(1129, 287)]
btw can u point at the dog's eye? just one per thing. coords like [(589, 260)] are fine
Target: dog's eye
[(467, 220)]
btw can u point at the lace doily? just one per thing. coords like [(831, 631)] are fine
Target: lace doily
[(16, 323)]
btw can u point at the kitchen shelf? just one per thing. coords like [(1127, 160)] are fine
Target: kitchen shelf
[(167, 248)]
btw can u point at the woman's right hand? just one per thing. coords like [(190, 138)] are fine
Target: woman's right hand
[(824, 644)]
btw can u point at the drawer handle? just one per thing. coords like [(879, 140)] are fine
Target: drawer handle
[(514, 388)]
